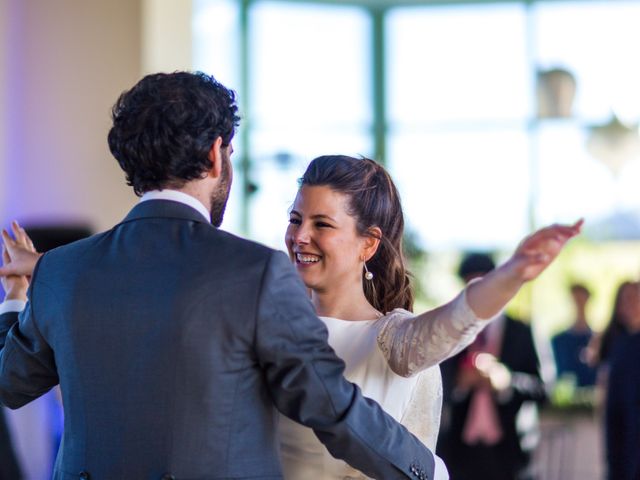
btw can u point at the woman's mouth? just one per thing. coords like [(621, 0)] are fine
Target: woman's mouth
[(307, 258)]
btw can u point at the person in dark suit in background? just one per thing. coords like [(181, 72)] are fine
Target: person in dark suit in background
[(570, 346), (174, 342), (622, 412), (485, 387)]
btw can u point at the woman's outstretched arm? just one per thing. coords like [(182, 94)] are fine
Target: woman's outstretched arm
[(488, 296), (413, 343)]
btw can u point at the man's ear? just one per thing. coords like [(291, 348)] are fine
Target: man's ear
[(371, 243), (215, 157)]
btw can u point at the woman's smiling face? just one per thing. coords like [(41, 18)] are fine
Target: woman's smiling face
[(322, 239)]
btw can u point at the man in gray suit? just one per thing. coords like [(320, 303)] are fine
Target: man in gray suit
[(172, 340)]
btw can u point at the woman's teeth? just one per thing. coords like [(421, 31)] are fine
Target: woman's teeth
[(307, 258)]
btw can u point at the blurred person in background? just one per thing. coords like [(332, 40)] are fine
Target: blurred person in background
[(622, 411), (486, 388), (9, 469), (570, 346), (625, 311)]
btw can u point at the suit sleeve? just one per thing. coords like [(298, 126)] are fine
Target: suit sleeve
[(526, 380), (306, 382), (27, 364)]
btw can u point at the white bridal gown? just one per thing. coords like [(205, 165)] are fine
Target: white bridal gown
[(373, 350)]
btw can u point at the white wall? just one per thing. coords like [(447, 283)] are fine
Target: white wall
[(166, 35), (62, 65), (62, 68), (4, 93)]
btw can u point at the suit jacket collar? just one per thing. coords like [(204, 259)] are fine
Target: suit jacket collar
[(164, 209)]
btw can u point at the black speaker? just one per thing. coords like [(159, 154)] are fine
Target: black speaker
[(46, 237)]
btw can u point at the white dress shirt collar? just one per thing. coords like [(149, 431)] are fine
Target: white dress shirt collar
[(177, 196)]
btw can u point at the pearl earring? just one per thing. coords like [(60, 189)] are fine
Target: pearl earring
[(368, 275)]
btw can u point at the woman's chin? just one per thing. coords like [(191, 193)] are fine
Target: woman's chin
[(310, 281)]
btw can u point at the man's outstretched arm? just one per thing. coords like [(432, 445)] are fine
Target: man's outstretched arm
[(27, 364), (306, 382)]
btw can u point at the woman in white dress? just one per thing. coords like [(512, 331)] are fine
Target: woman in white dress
[(345, 238)]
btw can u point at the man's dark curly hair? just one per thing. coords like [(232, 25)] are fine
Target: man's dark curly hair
[(164, 127)]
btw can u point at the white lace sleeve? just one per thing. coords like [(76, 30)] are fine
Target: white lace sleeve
[(413, 343)]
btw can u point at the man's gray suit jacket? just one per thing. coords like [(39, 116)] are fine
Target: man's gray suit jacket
[(172, 342)]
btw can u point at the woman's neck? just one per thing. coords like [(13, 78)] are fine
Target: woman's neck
[(343, 303)]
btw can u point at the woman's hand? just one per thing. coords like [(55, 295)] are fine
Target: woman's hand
[(536, 252), (22, 255), (489, 295), (15, 286)]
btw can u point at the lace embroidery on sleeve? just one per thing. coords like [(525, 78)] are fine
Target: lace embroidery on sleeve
[(413, 343), (422, 416)]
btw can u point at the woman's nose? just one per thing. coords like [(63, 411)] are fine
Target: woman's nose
[(301, 235)]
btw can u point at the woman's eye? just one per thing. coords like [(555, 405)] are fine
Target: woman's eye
[(323, 225), (294, 221)]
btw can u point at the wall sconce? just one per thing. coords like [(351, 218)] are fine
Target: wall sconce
[(556, 89)]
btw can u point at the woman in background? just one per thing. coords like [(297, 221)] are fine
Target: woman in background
[(622, 412), (626, 307)]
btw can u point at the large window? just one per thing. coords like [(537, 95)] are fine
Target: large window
[(459, 100), (309, 96), (493, 118), (470, 140), (216, 31), (588, 163)]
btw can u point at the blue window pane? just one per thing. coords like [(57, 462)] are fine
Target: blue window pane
[(448, 64), (575, 184), (598, 43), (279, 160), (310, 65), (464, 189), (572, 183), (310, 95), (215, 28)]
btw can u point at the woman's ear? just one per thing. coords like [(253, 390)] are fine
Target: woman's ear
[(371, 242), (215, 157)]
